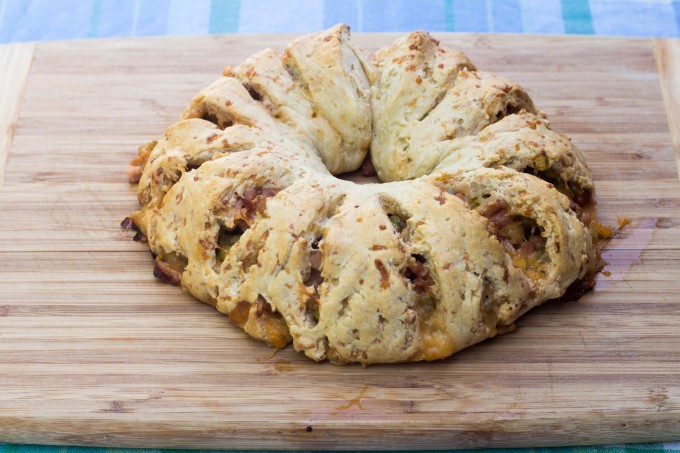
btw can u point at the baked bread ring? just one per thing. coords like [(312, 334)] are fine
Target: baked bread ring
[(483, 213)]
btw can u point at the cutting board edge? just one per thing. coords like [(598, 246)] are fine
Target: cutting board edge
[(17, 60), (596, 429), (667, 57)]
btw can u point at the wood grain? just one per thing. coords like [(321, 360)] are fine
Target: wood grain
[(667, 54), (16, 61), (94, 351)]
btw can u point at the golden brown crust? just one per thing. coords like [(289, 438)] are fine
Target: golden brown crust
[(486, 218)]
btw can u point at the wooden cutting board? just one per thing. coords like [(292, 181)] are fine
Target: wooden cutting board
[(95, 351)]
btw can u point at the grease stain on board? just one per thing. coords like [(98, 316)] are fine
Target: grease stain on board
[(355, 402), (625, 250)]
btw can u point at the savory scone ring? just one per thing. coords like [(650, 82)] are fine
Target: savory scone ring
[(484, 214)]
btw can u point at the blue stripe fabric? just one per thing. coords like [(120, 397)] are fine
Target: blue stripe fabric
[(543, 17), (401, 15), (151, 18), (506, 16), (348, 12), (275, 16), (470, 16), (189, 17), (638, 18), (115, 20), (40, 20)]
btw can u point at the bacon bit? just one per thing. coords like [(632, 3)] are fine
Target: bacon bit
[(447, 266), (361, 281), (166, 273), (128, 224), (313, 280), (228, 103), (260, 305), (159, 171), (419, 80), (384, 274), (531, 245), (419, 274), (607, 274), (315, 259), (441, 198), (378, 247), (253, 93), (254, 200), (411, 68), (413, 47), (497, 213), (213, 137), (367, 168), (382, 227), (440, 66), (461, 195), (359, 219)]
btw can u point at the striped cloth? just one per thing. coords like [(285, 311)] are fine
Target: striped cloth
[(40, 20), (37, 20)]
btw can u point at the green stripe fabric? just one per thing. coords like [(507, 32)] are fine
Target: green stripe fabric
[(577, 17), (224, 16)]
